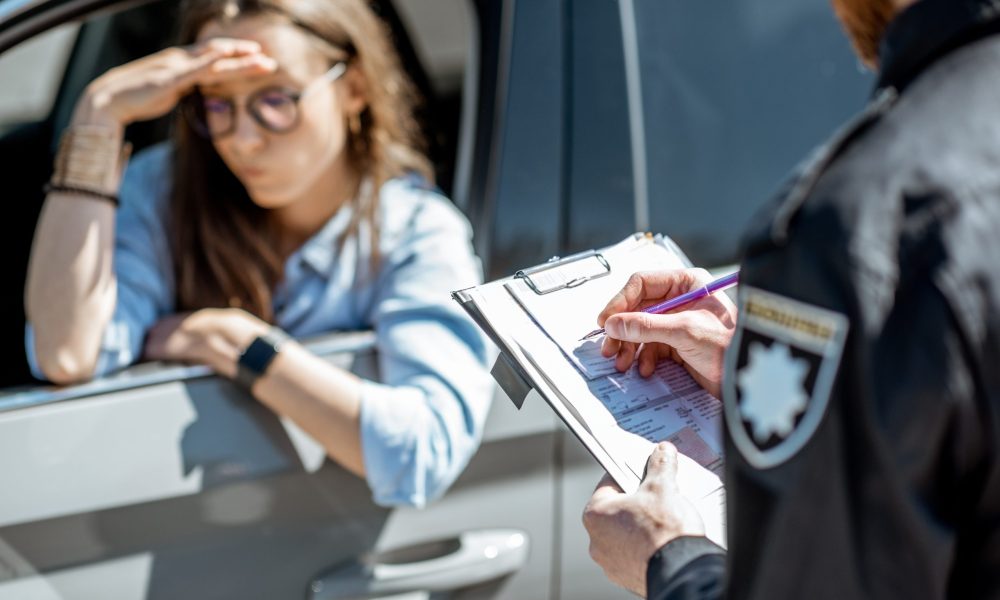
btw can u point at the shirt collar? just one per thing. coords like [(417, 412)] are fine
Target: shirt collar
[(319, 251), (929, 29)]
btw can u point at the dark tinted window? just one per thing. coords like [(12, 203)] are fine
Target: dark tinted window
[(565, 177), (735, 93), (527, 212), (600, 207)]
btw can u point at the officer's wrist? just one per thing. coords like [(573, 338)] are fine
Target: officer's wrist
[(676, 554)]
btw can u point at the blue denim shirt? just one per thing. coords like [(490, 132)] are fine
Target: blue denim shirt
[(423, 422)]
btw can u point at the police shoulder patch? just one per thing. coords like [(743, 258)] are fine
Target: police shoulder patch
[(779, 373)]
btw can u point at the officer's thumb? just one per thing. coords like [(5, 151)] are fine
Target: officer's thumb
[(661, 467)]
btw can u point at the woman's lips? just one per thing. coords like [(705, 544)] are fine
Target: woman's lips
[(252, 172)]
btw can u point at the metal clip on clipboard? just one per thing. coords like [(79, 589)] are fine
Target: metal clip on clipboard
[(548, 277), (563, 273)]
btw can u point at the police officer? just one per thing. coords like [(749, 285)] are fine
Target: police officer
[(861, 383)]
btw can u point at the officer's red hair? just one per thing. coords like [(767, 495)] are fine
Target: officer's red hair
[(865, 22)]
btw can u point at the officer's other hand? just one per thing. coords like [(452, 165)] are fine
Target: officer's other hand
[(625, 530), (695, 335)]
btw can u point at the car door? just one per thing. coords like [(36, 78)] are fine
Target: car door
[(165, 481)]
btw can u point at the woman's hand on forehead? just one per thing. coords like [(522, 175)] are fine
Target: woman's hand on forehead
[(151, 86), (224, 59)]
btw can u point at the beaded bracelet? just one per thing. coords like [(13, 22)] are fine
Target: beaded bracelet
[(65, 189)]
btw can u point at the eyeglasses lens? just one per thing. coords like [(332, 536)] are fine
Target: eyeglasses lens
[(275, 110), (218, 114)]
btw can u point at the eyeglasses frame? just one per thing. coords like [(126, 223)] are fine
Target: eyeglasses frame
[(195, 103)]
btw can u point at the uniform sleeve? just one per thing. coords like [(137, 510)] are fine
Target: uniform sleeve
[(420, 427), (142, 264), (687, 568)]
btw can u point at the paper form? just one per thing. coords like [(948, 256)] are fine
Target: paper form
[(662, 404)]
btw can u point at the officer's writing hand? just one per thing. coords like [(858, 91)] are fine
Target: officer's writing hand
[(625, 530), (695, 335)]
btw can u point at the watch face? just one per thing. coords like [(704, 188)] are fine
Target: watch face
[(259, 354)]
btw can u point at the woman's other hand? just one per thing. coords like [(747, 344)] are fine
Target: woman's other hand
[(151, 86), (696, 336), (212, 337)]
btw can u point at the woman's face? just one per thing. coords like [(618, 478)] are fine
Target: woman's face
[(279, 168)]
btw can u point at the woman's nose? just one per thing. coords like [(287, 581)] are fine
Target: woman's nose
[(247, 135)]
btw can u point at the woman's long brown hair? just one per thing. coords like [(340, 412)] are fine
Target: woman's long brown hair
[(224, 246)]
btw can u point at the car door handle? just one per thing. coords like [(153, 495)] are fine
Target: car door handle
[(471, 558)]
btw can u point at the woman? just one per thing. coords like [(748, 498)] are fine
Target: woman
[(292, 194)]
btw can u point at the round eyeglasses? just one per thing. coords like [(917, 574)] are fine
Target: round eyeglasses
[(274, 108)]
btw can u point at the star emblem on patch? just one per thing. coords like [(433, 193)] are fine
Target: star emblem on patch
[(772, 385), (780, 370)]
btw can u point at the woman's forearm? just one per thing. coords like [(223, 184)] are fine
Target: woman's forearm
[(323, 400), (71, 288), (70, 291)]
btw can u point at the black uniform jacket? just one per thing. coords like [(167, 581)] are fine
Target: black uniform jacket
[(863, 385)]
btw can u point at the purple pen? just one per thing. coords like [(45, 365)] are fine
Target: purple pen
[(678, 301)]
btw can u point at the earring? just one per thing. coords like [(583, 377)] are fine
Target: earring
[(354, 124)]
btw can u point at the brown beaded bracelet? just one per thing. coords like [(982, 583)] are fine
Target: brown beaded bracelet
[(63, 189)]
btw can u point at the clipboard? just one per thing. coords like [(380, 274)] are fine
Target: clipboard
[(493, 306), (510, 375)]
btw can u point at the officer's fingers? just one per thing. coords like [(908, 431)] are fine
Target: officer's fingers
[(673, 329), (646, 288), (649, 355), (609, 484), (618, 303), (661, 469), (610, 346), (605, 495), (665, 284), (626, 356)]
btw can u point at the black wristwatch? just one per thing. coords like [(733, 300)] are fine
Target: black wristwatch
[(258, 356)]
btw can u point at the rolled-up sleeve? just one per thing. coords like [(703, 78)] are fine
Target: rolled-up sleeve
[(423, 423), (142, 264)]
